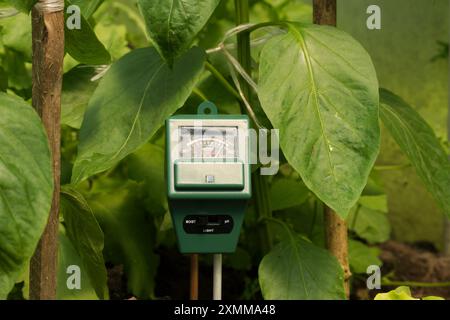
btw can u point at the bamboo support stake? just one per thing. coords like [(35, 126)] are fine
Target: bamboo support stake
[(48, 55), (336, 235)]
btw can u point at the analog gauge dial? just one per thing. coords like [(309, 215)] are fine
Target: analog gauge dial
[(208, 142)]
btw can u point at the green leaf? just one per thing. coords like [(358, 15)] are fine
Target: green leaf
[(238, 260), (295, 269), (87, 7), (131, 102), (362, 256), (432, 298), (18, 71), (401, 293), (76, 92), (319, 87), (370, 225), (287, 193), (374, 186), (23, 5), (16, 33), (147, 166), (378, 203), (86, 235), (419, 142), (114, 37), (26, 187), (129, 233), (173, 24), (83, 45), (68, 256)]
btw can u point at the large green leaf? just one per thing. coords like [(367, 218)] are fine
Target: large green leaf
[(296, 269), (173, 24), (114, 37), (83, 45), (419, 142), (76, 91), (319, 87), (68, 256), (362, 256), (287, 193), (147, 166), (26, 187), (16, 33), (87, 237), (131, 102), (23, 5), (17, 70), (87, 7), (371, 225), (129, 232)]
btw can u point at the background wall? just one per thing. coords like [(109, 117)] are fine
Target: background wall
[(403, 52)]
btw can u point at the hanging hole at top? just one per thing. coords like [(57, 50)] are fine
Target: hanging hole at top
[(207, 108)]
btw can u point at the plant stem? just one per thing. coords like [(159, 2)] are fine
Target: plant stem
[(388, 282), (260, 183), (243, 42), (336, 233), (199, 93), (392, 167), (224, 82), (281, 223)]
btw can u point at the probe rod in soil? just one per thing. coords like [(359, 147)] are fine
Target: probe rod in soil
[(217, 278)]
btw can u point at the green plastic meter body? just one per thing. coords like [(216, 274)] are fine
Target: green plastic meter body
[(208, 180)]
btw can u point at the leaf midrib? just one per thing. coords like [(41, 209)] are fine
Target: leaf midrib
[(139, 111), (299, 36)]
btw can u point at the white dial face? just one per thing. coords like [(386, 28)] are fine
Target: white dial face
[(208, 142)]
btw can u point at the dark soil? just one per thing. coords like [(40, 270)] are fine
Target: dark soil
[(174, 272), (117, 283), (173, 279), (420, 262), (404, 262)]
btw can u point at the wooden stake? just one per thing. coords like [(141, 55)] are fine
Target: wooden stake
[(337, 243), (48, 55), (194, 277), (446, 218), (324, 12)]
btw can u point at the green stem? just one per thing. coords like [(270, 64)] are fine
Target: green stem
[(388, 282), (224, 82), (392, 167), (260, 183), (281, 223), (200, 94), (243, 43)]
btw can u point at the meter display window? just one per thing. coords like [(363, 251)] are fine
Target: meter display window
[(208, 143)]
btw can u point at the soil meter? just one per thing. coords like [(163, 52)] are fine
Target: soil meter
[(208, 174)]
